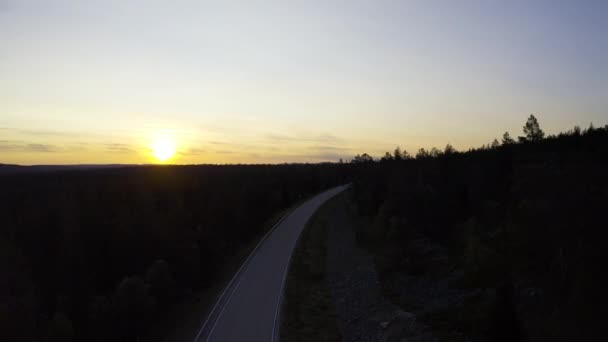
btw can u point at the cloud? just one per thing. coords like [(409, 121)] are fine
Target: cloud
[(40, 148), (279, 137), (317, 138), (120, 148), (19, 146), (328, 137), (330, 148), (41, 133), (215, 142), (302, 156), (192, 152), (328, 153), (34, 147), (9, 146), (328, 156)]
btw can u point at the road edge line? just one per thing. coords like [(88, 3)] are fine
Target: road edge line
[(237, 275), (277, 310)]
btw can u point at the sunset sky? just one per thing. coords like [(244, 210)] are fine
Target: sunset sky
[(290, 81)]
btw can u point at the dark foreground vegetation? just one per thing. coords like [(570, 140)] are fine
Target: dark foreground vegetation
[(515, 229), (308, 312), (102, 254)]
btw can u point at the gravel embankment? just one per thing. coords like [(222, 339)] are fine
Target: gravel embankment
[(363, 313)]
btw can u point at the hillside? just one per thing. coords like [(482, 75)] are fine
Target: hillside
[(501, 243)]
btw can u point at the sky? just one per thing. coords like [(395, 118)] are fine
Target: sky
[(92, 82)]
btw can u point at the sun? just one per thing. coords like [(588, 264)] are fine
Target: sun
[(163, 149)]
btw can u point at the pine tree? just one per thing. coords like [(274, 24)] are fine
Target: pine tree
[(507, 140), (532, 130)]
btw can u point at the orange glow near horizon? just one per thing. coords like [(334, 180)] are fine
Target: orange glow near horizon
[(320, 82)]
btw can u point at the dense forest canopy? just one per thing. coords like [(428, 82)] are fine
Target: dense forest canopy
[(520, 223), (100, 254)]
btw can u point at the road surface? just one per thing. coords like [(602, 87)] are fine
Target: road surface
[(249, 307)]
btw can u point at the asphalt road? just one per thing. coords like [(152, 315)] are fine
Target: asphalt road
[(249, 307)]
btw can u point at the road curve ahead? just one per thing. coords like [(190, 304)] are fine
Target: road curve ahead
[(248, 309)]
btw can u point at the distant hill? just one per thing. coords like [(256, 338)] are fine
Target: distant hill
[(13, 168), (9, 168)]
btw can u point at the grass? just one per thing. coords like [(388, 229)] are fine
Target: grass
[(308, 313)]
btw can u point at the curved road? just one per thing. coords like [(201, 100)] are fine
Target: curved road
[(248, 309)]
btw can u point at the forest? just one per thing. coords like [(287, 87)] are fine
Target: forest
[(515, 228), (101, 254)]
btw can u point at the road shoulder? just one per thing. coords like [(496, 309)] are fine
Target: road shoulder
[(308, 313)]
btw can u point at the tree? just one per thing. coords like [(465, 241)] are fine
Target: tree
[(398, 155), (101, 318), (504, 323), (422, 153), (507, 140), (363, 158), (435, 152), (161, 282), (449, 149), (61, 329), (387, 157), (495, 143), (133, 306), (532, 130)]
